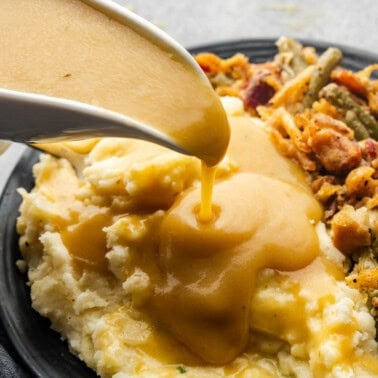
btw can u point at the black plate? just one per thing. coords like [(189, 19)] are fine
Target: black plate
[(40, 349)]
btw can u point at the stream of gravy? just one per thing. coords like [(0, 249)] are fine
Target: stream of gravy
[(205, 213)]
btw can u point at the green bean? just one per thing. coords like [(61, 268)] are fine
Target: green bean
[(330, 59), (356, 116), (351, 119), (369, 121), (290, 55)]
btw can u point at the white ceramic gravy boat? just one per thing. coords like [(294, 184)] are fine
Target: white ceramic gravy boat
[(28, 117)]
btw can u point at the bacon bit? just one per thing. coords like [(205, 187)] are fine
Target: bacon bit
[(205, 68), (258, 91), (349, 80), (369, 148)]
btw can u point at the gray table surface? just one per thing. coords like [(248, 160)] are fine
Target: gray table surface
[(194, 22)]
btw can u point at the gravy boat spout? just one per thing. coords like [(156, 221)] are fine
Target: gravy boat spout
[(34, 118)]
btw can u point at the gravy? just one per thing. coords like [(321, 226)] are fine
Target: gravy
[(209, 269)]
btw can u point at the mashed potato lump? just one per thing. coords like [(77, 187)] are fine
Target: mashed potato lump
[(92, 240)]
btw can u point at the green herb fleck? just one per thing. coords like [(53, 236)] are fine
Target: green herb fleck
[(181, 369)]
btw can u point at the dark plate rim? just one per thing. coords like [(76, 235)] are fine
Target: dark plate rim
[(320, 45)]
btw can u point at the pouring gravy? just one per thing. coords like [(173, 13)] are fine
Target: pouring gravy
[(208, 254)]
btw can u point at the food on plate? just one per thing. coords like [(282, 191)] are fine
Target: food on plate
[(281, 282), (331, 130)]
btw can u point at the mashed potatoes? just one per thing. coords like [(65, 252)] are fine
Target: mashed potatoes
[(90, 240)]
